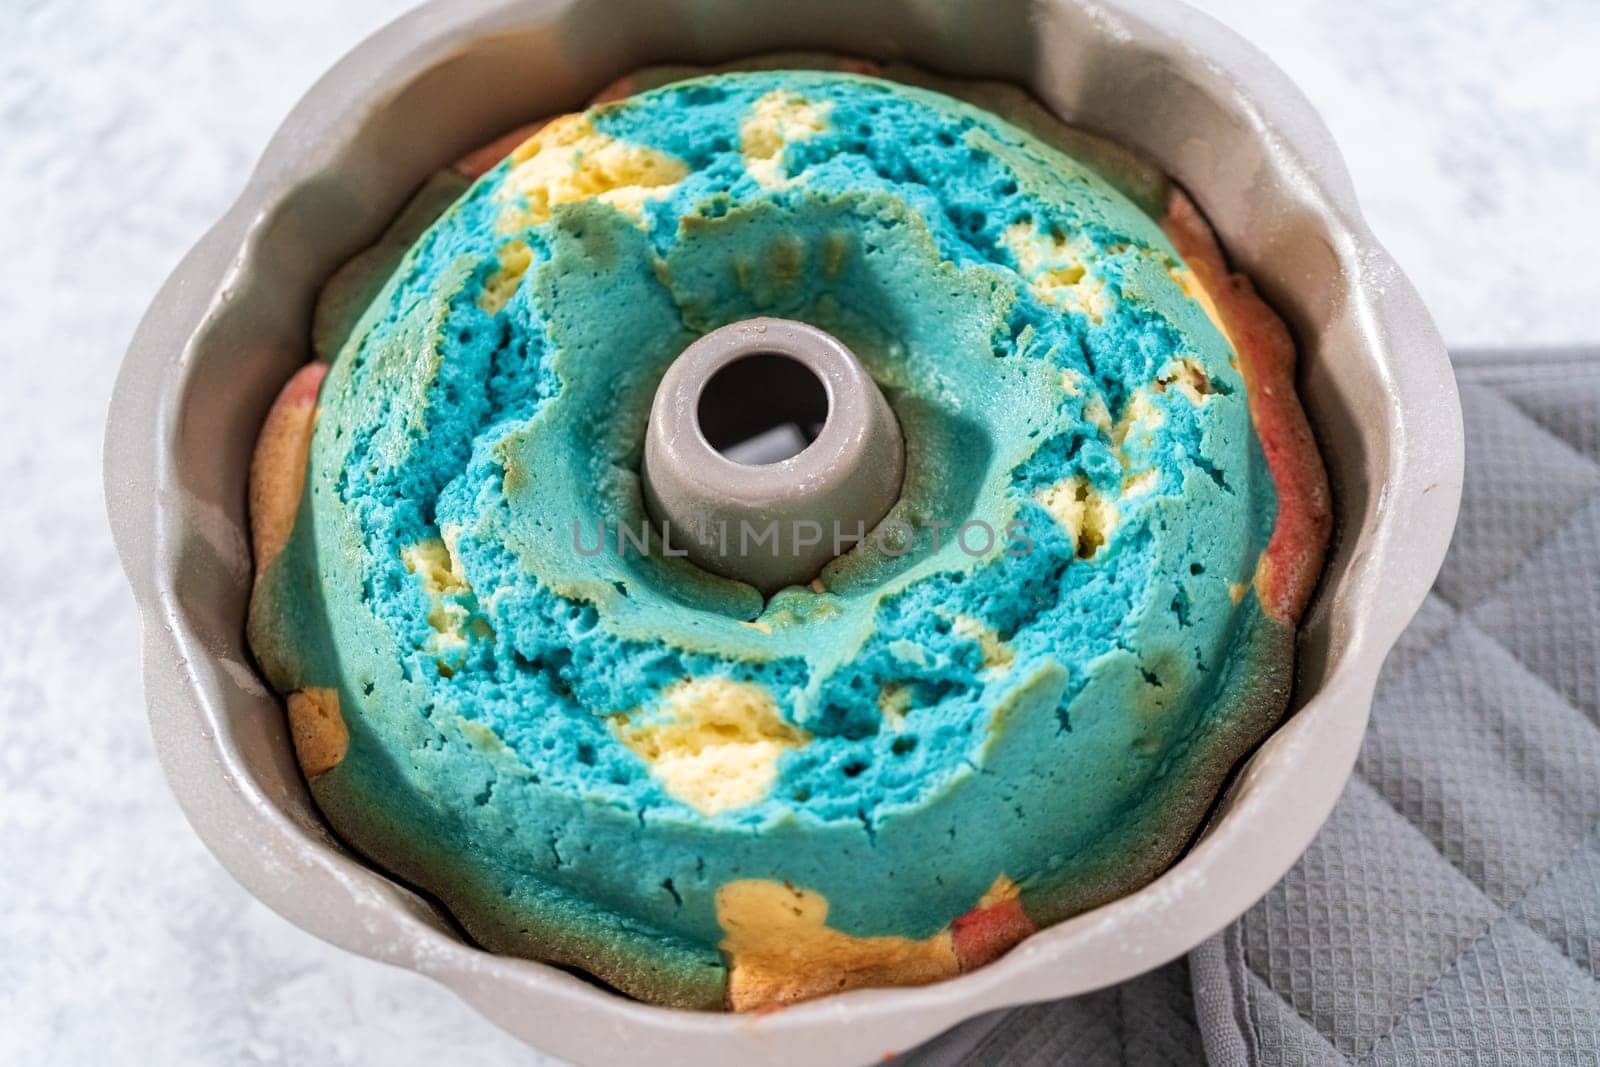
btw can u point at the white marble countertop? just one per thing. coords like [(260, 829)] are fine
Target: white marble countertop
[(1470, 129)]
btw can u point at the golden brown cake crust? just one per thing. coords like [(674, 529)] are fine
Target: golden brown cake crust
[(1293, 560), (318, 729), (278, 465)]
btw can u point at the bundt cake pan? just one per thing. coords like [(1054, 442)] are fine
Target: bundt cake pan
[(232, 324)]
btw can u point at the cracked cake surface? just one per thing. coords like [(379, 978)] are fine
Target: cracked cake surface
[(615, 761)]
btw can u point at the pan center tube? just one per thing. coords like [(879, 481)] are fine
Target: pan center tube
[(769, 452)]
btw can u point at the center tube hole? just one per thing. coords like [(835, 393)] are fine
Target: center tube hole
[(762, 408)]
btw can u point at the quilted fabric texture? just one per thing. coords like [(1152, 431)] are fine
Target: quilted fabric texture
[(1449, 912)]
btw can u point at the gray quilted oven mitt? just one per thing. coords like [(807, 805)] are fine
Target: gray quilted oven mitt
[(1449, 912)]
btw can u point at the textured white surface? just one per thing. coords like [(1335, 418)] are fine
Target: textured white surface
[(1470, 131)]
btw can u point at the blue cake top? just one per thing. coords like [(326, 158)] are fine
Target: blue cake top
[(623, 732)]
